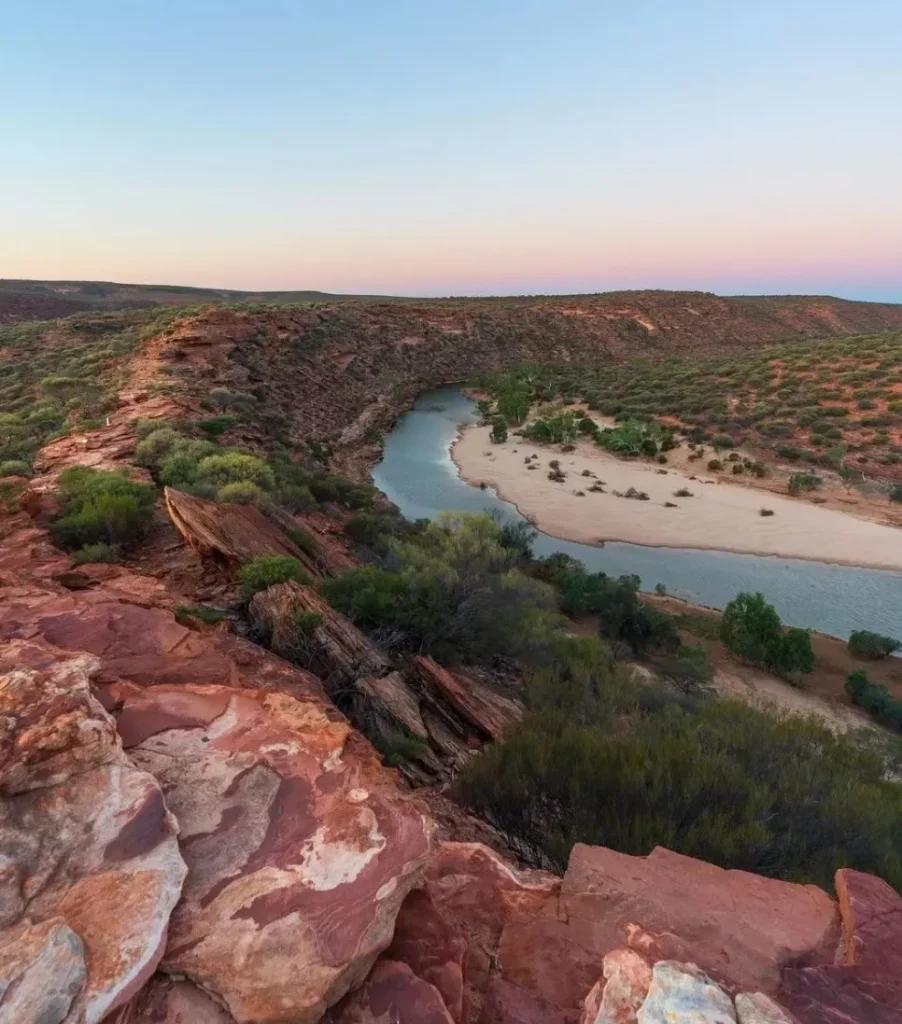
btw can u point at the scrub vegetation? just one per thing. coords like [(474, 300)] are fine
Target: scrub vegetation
[(835, 403)]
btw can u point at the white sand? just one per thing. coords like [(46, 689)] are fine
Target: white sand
[(720, 516)]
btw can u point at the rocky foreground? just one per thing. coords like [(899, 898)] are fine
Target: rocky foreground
[(191, 833)]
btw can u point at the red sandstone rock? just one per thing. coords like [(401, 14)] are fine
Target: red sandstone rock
[(340, 653), (432, 948), (299, 854), (50, 726), (90, 863), (872, 925), (488, 713), (836, 995), (739, 928), (477, 892), (867, 984), (506, 1003), (166, 1001), (232, 533), (620, 991), (392, 994)]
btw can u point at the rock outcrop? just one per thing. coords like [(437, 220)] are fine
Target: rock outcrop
[(865, 982), (448, 714), (296, 853), (89, 859), (230, 533)]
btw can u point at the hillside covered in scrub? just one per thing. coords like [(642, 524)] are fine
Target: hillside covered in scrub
[(335, 765)]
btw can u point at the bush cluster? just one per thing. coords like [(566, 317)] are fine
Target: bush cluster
[(600, 760), (101, 508), (875, 698), (261, 573), (751, 628)]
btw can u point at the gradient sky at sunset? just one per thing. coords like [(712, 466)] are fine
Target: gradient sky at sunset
[(434, 147)]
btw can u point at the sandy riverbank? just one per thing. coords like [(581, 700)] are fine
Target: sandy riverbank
[(718, 516)]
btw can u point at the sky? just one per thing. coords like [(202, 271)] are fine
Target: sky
[(445, 148)]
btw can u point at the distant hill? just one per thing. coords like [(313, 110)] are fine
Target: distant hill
[(22, 300)]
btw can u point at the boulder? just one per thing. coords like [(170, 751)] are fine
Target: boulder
[(739, 928), (300, 848), (432, 948), (620, 991), (334, 648), (757, 1008), (455, 695), (506, 1003), (837, 995), (232, 534), (165, 1000), (392, 994), (477, 892), (867, 979), (42, 972), (681, 992), (871, 912), (82, 833)]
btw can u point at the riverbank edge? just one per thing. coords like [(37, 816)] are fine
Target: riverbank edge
[(562, 534)]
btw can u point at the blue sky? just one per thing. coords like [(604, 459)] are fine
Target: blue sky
[(447, 148)]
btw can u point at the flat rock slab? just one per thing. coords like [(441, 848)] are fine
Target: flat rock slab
[(739, 928), (89, 861), (299, 856)]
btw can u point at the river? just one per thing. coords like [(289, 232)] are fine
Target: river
[(418, 475)]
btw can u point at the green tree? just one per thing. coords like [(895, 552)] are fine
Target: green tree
[(751, 628), (499, 430), (514, 406)]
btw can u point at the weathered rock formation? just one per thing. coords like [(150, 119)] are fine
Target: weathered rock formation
[(298, 852), (89, 861), (450, 714)]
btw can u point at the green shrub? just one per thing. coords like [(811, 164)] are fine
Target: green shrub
[(143, 427), (450, 589), (268, 570), (799, 482), (688, 667), (723, 441), (715, 465), (155, 446), (203, 612), (874, 698), (235, 467), (93, 553), (751, 628), (399, 748), (600, 760), (895, 493), (217, 425), (101, 507), (15, 467), (499, 430), (242, 492), (865, 644)]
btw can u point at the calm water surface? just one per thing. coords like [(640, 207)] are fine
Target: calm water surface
[(417, 474)]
